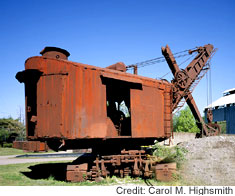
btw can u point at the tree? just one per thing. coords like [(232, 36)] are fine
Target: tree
[(10, 129), (185, 122)]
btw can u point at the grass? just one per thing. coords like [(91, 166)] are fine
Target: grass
[(16, 175), (10, 151), (10, 175), (53, 174)]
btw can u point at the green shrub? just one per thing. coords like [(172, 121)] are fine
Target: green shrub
[(166, 154), (7, 145)]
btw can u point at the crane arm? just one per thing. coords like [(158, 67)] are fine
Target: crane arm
[(184, 79)]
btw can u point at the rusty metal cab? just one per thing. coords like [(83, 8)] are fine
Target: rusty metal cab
[(82, 106), (74, 106)]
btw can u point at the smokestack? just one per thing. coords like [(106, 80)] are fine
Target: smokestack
[(54, 52)]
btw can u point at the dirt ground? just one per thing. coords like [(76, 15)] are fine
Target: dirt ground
[(210, 161)]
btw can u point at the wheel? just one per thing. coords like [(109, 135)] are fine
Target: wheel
[(181, 79)]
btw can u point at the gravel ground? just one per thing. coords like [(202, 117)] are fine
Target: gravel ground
[(210, 161), (179, 137)]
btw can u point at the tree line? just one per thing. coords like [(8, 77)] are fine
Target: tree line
[(10, 130)]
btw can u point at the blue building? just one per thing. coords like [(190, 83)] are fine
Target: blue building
[(224, 110)]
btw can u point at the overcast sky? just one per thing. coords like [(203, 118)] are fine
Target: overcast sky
[(104, 32)]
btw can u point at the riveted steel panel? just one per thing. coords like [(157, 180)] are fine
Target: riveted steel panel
[(50, 92), (72, 102), (147, 110)]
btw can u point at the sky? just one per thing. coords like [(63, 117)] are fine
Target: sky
[(104, 32)]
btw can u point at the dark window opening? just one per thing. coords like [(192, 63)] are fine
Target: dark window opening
[(31, 107), (118, 105)]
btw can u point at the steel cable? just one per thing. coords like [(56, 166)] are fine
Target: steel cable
[(156, 60)]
